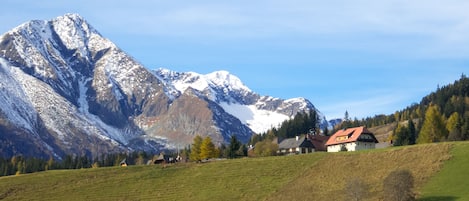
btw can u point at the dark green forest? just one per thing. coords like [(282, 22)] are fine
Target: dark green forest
[(442, 115), (449, 99), (302, 123), (21, 165)]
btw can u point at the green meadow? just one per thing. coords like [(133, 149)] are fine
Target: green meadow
[(452, 182), (441, 171)]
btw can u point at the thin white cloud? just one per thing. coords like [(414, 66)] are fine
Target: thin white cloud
[(446, 21), (364, 106), (412, 28)]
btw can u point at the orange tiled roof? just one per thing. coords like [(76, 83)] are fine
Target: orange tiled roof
[(348, 135)]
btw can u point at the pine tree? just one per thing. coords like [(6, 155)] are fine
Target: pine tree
[(347, 123), (195, 149), (401, 136), (412, 132), (233, 147), (242, 151), (465, 127), (433, 129)]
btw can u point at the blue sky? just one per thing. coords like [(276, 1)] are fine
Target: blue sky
[(364, 56)]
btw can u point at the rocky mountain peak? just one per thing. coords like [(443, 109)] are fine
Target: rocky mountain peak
[(226, 80), (68, 90)]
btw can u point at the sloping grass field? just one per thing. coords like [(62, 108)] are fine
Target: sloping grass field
[(317, 176), (452, 182)]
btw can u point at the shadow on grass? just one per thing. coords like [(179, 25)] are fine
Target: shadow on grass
[(438, 198)]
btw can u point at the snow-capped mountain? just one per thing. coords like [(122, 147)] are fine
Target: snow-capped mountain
[(259, 113), (65, 89)]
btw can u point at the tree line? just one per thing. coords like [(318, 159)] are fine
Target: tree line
[(20, 165), (301, 123), (266, 144), (203, 149), (441, 116), (450, 98)]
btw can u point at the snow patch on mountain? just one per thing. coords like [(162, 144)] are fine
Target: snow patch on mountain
[(12, 102), (259, 113), (74, 32), (95, 123), (257, 119), (209, 84), (192, 80)]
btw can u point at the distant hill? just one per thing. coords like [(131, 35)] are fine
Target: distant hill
[(450, 99), (317, 176)]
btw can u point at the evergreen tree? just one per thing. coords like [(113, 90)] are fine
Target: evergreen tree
[(347, 123), (222, 151), (242, 151), (233, 147), (465, 128), (433, 129), (185, 153), (412, 132), (256, 138), (195, 149), (401, 136)]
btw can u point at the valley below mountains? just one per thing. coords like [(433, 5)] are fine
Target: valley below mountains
[(67, 90)]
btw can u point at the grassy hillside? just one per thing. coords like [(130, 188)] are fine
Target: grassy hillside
[(327, 179), (318, 176), (383, 132), (452, 182), (243, 179)]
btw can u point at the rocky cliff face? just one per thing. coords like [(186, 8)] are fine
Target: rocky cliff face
[(65, 89)]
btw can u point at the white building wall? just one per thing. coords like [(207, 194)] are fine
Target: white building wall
[(351, 146), (334, 148), (365, 145)]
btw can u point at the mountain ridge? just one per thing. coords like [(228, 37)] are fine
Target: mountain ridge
[(69, 90)]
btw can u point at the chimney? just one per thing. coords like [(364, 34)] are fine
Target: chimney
[(297, 138)]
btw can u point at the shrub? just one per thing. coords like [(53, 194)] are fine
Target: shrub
[(398, 186)]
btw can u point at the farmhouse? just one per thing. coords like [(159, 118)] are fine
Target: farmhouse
[(123, 163), (351, 139), (319, 142), (163, 158), (298, 145)]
